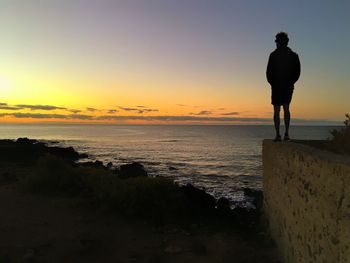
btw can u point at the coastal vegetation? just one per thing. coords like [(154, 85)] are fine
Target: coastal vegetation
[(158, 197), (340, 140)]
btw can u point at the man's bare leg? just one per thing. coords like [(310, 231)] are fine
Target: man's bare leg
[(286, 120), (276, 119)]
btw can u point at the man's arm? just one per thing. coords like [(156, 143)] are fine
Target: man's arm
[(297, 68), (269, 70)]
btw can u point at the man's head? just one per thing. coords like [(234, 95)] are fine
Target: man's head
[(282, 39)]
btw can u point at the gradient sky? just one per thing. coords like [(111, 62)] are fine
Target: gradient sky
[(162, 61)]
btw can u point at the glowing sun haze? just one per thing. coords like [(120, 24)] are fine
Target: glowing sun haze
[(163, 61)]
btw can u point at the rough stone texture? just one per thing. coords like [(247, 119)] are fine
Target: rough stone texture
[(307, 202)]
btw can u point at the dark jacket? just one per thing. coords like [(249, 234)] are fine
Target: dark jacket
[(283, 68)]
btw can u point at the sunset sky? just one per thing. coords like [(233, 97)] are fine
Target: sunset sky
[(162, 61)]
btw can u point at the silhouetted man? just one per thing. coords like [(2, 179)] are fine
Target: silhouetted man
[(283, 70)]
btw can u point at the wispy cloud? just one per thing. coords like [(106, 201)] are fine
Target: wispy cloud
[(112, 111), (9, 108), (190, 106), (91, 109), (5, 106), (74, 111), (147, 110), (22, 115), (128, 109), (108, 118), (40, 107), (80, 116), (230, 113), (203, 112), (139, 110)]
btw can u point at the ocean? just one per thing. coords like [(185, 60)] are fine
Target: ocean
[(222, 160)]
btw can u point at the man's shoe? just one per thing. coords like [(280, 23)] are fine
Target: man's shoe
[(277, 138), (286, 138)]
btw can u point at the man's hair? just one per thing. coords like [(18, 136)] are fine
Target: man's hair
[(282, 38)]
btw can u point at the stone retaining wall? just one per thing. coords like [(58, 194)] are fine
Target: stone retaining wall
[(307, 202)]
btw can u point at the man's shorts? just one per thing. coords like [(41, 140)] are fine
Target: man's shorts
[(281, 96)]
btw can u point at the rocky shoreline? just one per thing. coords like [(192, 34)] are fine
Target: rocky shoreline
[(34, 170)]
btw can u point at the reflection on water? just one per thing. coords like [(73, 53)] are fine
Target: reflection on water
[(220, 159)]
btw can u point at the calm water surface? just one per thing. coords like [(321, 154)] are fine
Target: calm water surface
[(220, 159)]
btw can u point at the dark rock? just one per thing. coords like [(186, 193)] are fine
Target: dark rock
[(132, 170), (26, 141), (95, 164), (246, 220), (65, 153), (241, 212), (83, 155), (199, 199), (98, 163), (257, 196), (28, 151), (223, 204), (171, 168), (110, 165)]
